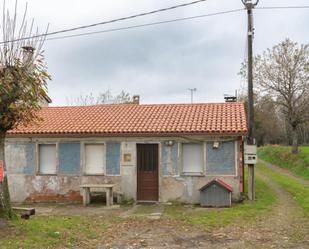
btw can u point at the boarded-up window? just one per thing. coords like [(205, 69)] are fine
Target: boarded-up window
[(69, 158), (220, 161), (94, 159), (192, 158), (47, 159)]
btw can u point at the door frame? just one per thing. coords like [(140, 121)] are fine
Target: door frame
[(159, 169)]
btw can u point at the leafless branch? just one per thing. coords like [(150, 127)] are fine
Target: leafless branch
[(12, 30)]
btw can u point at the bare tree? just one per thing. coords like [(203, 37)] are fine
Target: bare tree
[(103, 98), (303, 133), (23, 86), (16, 36), (267, 122), (282, 72)]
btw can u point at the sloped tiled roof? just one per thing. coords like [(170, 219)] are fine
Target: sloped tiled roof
[(134, 119)]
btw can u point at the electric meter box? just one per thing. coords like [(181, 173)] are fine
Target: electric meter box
[(250, 154)]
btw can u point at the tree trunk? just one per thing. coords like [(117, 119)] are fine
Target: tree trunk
[(294, 140), (5, 202)]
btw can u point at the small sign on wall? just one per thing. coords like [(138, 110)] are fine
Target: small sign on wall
[(127, 157), (1, 171)]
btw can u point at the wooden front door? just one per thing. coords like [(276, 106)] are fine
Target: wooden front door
[(147, 172)]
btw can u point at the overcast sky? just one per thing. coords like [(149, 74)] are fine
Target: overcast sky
[(159, 62)]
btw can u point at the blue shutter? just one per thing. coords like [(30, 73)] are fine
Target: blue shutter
[(69, 158), (113, 158)]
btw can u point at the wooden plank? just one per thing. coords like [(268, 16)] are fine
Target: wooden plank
[(24, 210)]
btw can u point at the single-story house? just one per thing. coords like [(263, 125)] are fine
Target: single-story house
[(154, 152)]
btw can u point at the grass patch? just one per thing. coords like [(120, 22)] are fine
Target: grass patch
[(299, 192), (53, 232), (246, 211), (282, 157)]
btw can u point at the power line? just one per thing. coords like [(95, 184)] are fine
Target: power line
[(171, 21), (142, 25), (107, 22), (282, 7), (146, 24)]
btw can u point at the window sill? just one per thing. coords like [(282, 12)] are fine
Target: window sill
[(42, 174), (192, 174), (68, 174), (94, 174), (222, 175)]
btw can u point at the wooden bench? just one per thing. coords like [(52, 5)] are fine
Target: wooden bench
[(86, 189)]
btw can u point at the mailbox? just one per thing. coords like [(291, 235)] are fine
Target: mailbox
[(250, 154)]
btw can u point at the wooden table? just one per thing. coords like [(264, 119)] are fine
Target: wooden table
[(107, 188)]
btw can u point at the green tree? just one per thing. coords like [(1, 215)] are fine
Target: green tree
[(23, 78)]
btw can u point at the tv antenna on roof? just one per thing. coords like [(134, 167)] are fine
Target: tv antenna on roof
[(192, 90)]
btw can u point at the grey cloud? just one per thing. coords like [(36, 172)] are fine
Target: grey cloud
[(161, 62)]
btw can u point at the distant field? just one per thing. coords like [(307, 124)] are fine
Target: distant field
[(282, 157)]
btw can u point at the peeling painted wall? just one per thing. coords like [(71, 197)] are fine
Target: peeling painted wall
[(43, 188), (186, 188), (169, 160), (128, 170), (26, 185), (20, 158)]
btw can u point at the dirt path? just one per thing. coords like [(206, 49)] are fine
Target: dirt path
[(161, 233), (285, 227), (284, 172)]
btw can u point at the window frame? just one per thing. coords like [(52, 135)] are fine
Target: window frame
[(83, 157), (38, 167), (203, 166)]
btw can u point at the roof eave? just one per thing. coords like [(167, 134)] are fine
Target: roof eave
[(122, 134)]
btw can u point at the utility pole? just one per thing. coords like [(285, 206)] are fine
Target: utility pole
[(250, 138), (192, 90)]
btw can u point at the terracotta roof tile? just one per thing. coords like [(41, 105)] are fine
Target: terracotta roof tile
[(220, 182), (227, 118)]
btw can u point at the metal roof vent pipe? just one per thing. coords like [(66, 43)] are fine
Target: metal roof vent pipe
[(230, 98), (136, 99), (28, 63)]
